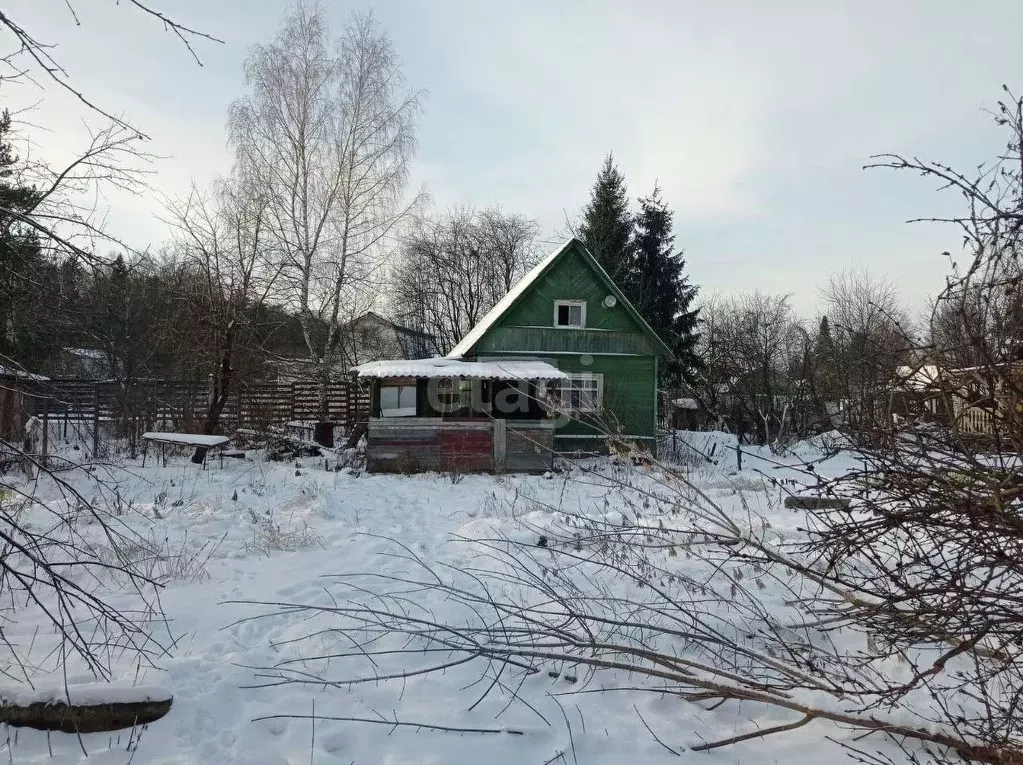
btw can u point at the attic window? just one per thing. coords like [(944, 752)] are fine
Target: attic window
[(569, 313)]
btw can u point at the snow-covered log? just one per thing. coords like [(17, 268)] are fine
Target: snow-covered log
[(84, 708)]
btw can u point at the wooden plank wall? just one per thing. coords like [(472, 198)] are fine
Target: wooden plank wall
[(416, 444), (529, 447), (467, 446), (403, 445)]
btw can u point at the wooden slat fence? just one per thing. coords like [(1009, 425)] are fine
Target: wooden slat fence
[(177, 405)]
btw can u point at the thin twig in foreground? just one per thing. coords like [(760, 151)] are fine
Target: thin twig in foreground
[(395, 723), (755, 734)]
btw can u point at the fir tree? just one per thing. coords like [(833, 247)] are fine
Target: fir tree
[(658, 287), (24, 314), (606, 227), (824, 361)]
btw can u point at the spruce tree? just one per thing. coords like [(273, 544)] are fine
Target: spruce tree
[(659, 288), (606, 227), (824, 362), (25, 306)]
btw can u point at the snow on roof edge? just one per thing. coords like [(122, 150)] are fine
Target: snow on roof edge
[(20, 374), (442, 367), (476, 333)]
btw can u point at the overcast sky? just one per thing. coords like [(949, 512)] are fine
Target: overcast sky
[(754, 117)]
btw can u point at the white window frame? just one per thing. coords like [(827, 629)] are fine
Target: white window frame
[(454, 394), (571, 384), (399, 411), (582, 314)]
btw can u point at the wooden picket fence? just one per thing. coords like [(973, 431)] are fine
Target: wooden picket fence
[(977, 421)]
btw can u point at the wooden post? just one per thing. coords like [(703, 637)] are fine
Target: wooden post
[(46, 427), (500, 443), (292, 418), (95, 421), (347, 393), (738, 457)]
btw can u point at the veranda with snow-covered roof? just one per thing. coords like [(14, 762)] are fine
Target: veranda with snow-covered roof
[(449, 414)]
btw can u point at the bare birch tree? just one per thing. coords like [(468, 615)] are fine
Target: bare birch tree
[(327, 131)]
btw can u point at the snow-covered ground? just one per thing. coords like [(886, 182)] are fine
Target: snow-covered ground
[(276, 532)]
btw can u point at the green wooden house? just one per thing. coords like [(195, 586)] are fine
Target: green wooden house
[(569, 313)]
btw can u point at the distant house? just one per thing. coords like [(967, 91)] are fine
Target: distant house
[(83, 364), (977, 402), (569, 313), (923, 392), (370, 337), (680, 412)]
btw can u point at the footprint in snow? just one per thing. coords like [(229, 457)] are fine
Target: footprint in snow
[(277, 727), (335, 742)]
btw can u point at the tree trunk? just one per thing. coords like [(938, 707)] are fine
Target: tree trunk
[(323, 430), (218, 396)]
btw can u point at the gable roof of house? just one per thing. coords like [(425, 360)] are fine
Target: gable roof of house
[(515, 294), (414, 343), (399, 327)]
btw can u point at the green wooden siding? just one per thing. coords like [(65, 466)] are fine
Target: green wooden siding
[(629, 401), (570, 278), (552, 340), (613, 344)]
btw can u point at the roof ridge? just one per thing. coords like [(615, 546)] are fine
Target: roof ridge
[(475, 334), (395, 324)]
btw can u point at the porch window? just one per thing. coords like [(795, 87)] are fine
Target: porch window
[(398, 401), (582, 392), (570, 313), (455, 396)]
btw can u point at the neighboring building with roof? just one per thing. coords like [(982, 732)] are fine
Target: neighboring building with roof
[(370, 337), (83, 364)]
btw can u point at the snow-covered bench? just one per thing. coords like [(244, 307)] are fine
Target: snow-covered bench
[(184, 439)]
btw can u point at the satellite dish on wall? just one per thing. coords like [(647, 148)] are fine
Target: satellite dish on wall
[(610, 301)]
